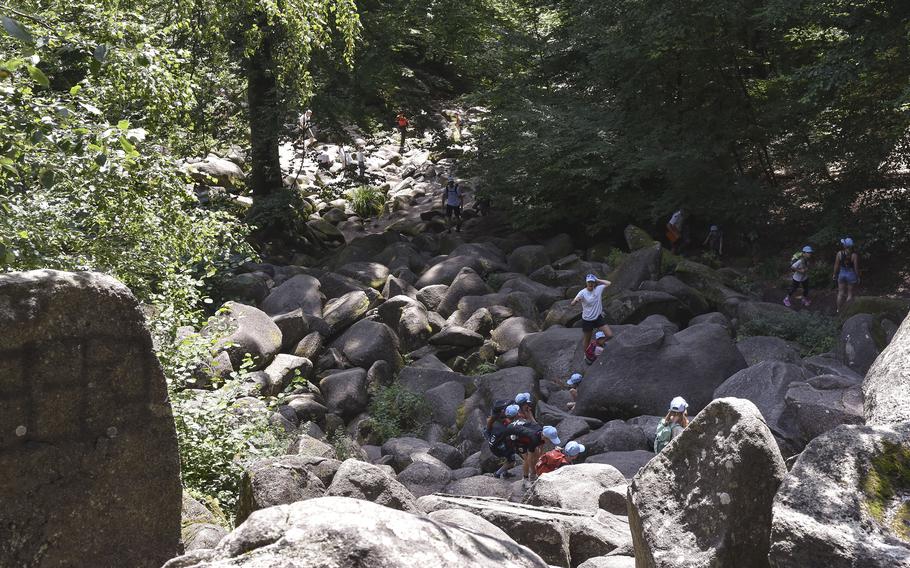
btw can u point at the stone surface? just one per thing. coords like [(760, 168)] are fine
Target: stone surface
[(276, 481), (614, 436), (628, 463), (424, 477), (577, 487), (301, 291), (445, 271), (609, 562), (633, 306), (283, 370), (820, 404), (335, 532), (242, 329), (886, 388), (366, 342), (705, 500), (340, 313), (199, 527), (760, 348), (401, 450), (822, 513), (88, 448), (345, 392), (360, 480), (508, 334), (469, 522), (526, 259), (466, 283), (861, 340)]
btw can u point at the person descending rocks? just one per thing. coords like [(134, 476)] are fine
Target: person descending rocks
[(305, 124), (592, 317), (799, 263), (452, 200), (715, 241), (527, 439), (846, 272), (675, 230), (526, 405), (501, 415), (596, 347), (671, 425), (573, 383), (558, 457), (402, 122)]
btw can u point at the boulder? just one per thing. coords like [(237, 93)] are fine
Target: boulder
[(88, 448), (248, 288), (447, 454), (760, 348), (562, 313), (490, 257), (826, 364), (480, 322), (861, 340), (276, 481), (395, 286), (843, 504), (242, 329), (401, 449), (645, 366), (446, 270), (508, 334), (414, 327), (637, 267), (502, 384), (693, 300), (480, 486), (345, 392), (554, 353), (424, 477), (614, 436), (366, 342), (308, 446), (705, 500), (346, 533), (469, 522), (340, 313), (466, 283), (360, 480), (309, 347), (576, 487), (528, 258), (301, 291), (627, 462), (886, 388), (380, 373), (715, 318), (216, 171), (543, 296), (200, 529), (431, 296), (558, 246), (457, 336), (637, 238), (633, 306), (282, 371), (820, 404), (618, 561), (293, 326), (444, 402), (894, 309), (560, 536), (371, 274)]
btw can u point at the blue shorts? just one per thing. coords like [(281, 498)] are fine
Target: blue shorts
[(847, 275)]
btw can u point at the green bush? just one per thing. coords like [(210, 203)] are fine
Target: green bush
[(367, 201), (395, 411), (814, 333)]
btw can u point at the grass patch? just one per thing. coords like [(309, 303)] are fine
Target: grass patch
[(814, 332), (885, 486), (395, 411), (367, 201)]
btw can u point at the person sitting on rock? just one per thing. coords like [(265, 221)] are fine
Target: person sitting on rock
[(573, 382), (558, 457), (671, 425), (500, 443), (592, 317), (596, 347)]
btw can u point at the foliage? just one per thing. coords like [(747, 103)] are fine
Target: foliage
[(815, 333), (395, 411), (344, 446), (483, 369), (367, 201), (885, 485)]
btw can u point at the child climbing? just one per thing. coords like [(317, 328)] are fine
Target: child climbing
[(573, 382), (558, 457), (596, 347), (799, 263), (592, 317)]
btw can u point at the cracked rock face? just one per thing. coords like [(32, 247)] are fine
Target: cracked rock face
[(88, 448)]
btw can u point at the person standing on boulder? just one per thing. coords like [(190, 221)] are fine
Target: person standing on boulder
[(846, 271), (592, 317), (671, 425), (675, 230), (800, 266), (402, 122), (452, 201)]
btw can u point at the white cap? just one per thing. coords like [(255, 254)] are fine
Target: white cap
[(599, 335), (714, 228), (512, 410), (679, 404), (575, 379), (590, 278), (551, 434), (847, 242), (573, 449)]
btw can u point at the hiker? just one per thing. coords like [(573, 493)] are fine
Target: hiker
[(525, 404), (452, 200), (528, 440), (402, 122), (592, 317), (558, 457), (361, 158), (324, 159), (799, 263), (501, 415), (305, 123), (675, 230), (596, 347), (715, 241), (573, 382), (846, 271), (671, 425)]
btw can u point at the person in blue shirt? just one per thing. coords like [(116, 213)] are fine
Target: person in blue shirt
[(452, 200)]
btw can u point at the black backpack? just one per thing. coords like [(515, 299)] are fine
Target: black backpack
[(499, 407)]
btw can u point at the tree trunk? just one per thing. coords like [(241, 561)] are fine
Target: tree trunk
[(262, 98)]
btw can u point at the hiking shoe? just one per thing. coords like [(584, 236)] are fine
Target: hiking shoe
[(499, 475), (787, 301), (807, 302)]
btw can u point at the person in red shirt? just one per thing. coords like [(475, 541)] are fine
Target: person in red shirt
[(401, 122), (555, 459)]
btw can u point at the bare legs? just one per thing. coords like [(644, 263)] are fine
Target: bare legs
[(844, 288)]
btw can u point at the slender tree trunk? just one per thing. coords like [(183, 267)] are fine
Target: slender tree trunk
[(262, 98)]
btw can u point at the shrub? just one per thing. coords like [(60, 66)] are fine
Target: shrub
[(367, 201), (343, 445), (814, 333), (395, 411)]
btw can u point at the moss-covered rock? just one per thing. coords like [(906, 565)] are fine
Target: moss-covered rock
[(637, 238), (887, 488), (894, 309)]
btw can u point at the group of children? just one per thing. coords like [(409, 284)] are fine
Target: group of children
[(845, 273), (513, 433)]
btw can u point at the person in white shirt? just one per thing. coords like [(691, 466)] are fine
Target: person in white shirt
[(800, 266), (675, 230), (592, 317)]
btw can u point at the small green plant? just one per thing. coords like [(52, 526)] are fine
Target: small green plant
[(886, 487), (483, 369), (342, 444), (615, 258), (814, 333), (367, 201), (394, 411)]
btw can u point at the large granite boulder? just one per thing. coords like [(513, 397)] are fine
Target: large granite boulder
[(693, 300), (508, 334), (371, 274), (886, 388), (544, 296), (554, 353), (276, 481), (577, 487), (705, 500), (614, 436), (369, 482), (560, 536), (340, 313), (820, 404), (335, 532), (627, 462), (242, 330), (200, 528), (844, 503), (637, 267), (760, 348), (445, 271), (464, 520), (301, 291), (646, 366), (366, 342), (861, 340), (345, 392), (633, 306), (425, 475), (528, 258), (88, 448), (466, 283)]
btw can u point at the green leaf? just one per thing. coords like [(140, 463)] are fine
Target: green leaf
[(127, 146), (123, 125), (100, 53), (74, 90), (38, 76), (16, 30), (91, 108), (47, 178)]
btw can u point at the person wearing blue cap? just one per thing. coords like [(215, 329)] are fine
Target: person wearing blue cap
[(846, 271), (500, 442), (528, 440), (573, 382), (592, 310), (525, 403), (800, 266), (558, 457)]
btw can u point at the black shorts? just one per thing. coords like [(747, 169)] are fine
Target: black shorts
[(453, 210), (590, 325)]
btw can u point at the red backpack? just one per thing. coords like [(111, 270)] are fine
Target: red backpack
[(551, 461)]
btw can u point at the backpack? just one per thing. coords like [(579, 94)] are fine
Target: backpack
[(664, 435), (499, 406), (500, 444), (524, 437), (550, 461)]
